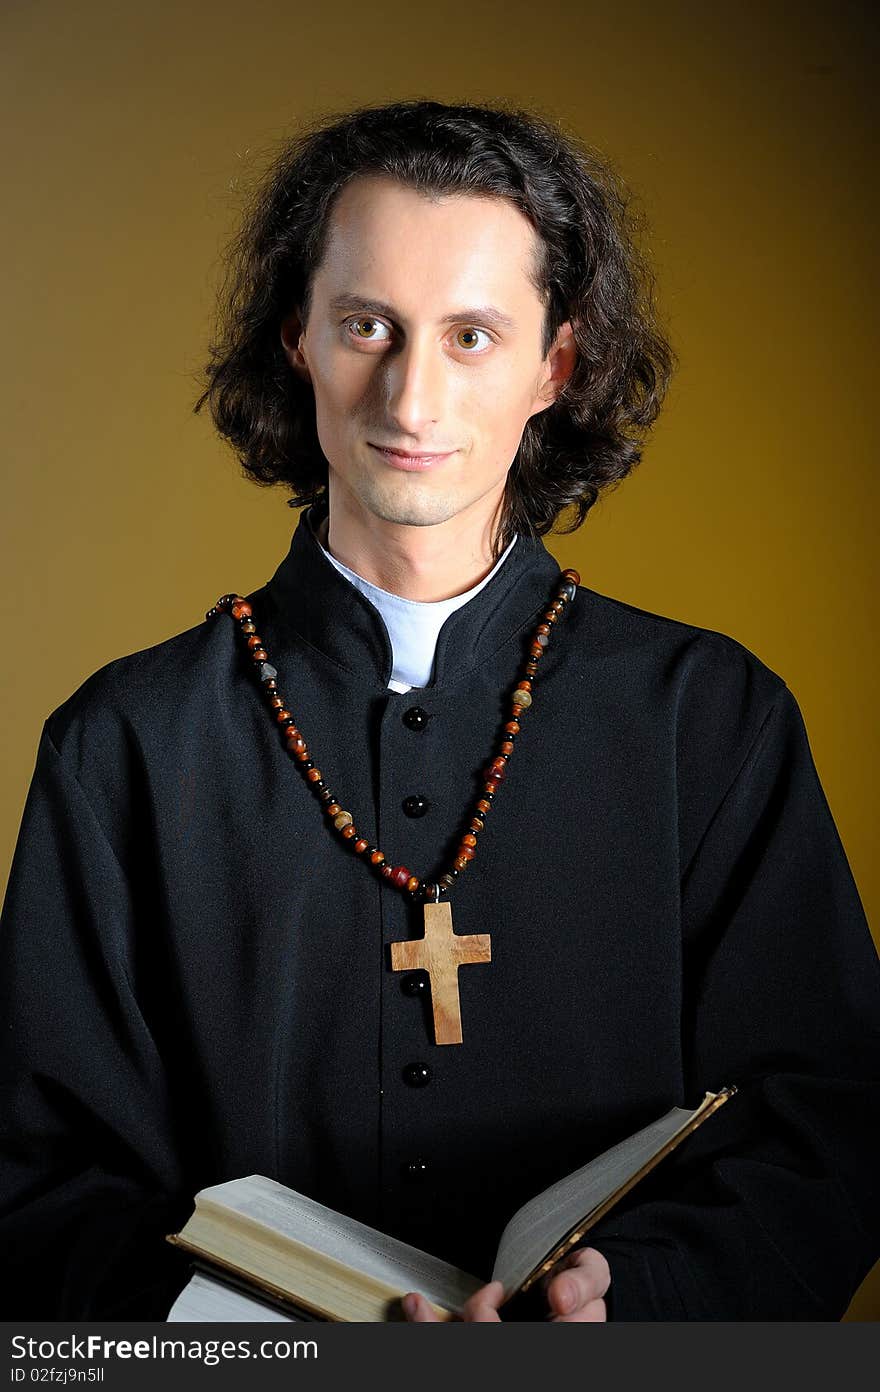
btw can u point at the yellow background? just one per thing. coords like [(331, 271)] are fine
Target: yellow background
[(744, 132)]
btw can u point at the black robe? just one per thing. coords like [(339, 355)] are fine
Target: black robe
[(195, 983)]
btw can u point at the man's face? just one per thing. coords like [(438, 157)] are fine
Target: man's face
[(424, 335)]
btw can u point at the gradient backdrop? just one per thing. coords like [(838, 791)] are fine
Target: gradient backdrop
[(745, 133)]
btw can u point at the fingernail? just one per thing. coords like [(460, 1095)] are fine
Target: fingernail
[(410, 1305)]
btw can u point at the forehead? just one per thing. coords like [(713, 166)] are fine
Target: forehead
[(384, 237)]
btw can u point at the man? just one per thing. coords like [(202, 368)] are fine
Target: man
[(439, 336)]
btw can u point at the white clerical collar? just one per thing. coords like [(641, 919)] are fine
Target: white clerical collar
[(412, 625)]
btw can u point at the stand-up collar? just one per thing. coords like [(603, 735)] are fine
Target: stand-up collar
[(312, 601)]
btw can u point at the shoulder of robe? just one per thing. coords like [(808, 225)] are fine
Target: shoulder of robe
[(135, 706), (718, 692)]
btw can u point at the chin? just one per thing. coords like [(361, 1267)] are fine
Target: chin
[(410, 506)]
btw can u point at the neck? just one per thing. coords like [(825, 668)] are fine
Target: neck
[(427, 564)]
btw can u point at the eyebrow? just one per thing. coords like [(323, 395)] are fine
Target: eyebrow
[(486, 314)]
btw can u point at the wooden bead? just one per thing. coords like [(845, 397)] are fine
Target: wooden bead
[(524, 686), (400, 876), (313, 775), (241, 609), (466, 852), (282, 714), (254, 641), (349, 832), (377, 857), (469, 839), (507, 747), (342, 819), (573, 576), (477, 824), (332, 808), (543, 628), (460, 862), (276, 702), (301, 755), (248, 626), (361, 845), (413, 883), (484, 806), (512, 727), (386, 872), (260, 655)]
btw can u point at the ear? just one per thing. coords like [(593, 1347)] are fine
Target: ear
[(292, 335), (556, 368)]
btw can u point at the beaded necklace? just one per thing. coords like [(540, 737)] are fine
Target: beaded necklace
[(441, 951)]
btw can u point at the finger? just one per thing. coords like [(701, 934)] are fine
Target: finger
[(580, 1278), (417, 1309), (594, 1312), (482, 1307)]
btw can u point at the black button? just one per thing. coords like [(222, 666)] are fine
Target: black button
[(414, 1169), (415, 805), (414, 983), (417, 1074), (415, 718)]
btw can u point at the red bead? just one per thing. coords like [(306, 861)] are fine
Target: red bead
[(260, 655), (332, 808), (512, 727), (399, 876), (254, 641), (507, 747), (282, 715), (483, 805), (477, 824), (572, 575), (377, 857), (543, 628), (313, 775), (361, 845), (466, 852), (348, 832), (386, 872), (469, 839), (241, 609), (460, 862), (524, 686)]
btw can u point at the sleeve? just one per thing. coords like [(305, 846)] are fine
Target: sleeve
[(89, 1185), (771, 1210)]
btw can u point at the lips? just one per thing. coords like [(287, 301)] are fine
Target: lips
[(411, 463)]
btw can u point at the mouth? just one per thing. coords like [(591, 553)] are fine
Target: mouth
[(410, 463)]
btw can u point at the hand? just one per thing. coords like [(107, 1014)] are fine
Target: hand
[(574, 1290)]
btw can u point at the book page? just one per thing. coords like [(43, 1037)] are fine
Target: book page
[(204, 1301), (542, 1222), (396, 1264)]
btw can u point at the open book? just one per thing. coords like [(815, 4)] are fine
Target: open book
[(262, 1246)]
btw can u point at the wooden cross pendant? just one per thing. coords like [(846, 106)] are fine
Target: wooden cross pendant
[(440, 953)]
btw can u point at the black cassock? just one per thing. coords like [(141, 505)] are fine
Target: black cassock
[(195, 982)]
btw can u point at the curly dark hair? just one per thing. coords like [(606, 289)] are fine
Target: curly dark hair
[(591, 272)]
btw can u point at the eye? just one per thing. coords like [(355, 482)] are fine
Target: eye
[(470, 331), (367, 323)]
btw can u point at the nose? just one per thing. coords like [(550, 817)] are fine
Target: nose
[(414, 386)]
